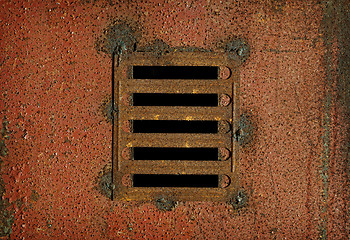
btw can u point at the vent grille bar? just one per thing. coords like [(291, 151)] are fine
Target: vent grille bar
[(176, 118)]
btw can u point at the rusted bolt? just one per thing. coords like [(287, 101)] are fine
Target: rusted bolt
[(225, 100), (240, 200), (126, 126), (225, 181), (238, 49), (246, 130), (225, 72), (224, 154), (224, 127), (108, 111), (126, 153), (165, 203), (127, 180), (127, 99), (106, 184)]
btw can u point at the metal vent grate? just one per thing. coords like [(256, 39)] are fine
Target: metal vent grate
[(174, 127)]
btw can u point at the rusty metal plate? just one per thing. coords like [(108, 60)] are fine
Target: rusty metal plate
[(155, 129)]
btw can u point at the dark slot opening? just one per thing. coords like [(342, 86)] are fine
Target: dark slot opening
[(174, 99), (175, 72), (164, 180), (173, 126), (148, 153)]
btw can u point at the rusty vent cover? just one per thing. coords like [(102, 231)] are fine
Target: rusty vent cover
[(173, 131)]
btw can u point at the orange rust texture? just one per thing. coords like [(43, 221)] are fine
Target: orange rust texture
[(53, 83)]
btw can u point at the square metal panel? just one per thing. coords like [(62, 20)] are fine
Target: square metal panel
[(126, 140)]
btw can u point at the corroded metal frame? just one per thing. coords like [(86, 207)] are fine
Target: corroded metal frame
[(125, 85)]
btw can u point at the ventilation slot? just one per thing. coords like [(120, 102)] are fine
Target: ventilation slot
[(168, 99), (198, 154), (175, 72), (173, 126), (163, 180)]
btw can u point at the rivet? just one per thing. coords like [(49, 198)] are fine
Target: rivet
[(225, 72), (224, 154), (127, 180), (225, 100), (126, 153), (225, 181), (224, 127)]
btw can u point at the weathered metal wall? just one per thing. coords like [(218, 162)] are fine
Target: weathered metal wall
[(56, 136)]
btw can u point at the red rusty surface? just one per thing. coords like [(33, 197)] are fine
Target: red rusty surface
[(57, 140)]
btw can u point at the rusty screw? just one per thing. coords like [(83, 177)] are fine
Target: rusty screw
[(224, 154), (225, 181), (127, 180), (126, 126), (225, 100), (126, 153), (224, 127), (225, 72)]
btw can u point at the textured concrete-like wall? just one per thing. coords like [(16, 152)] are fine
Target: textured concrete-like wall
[(56, 137)]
